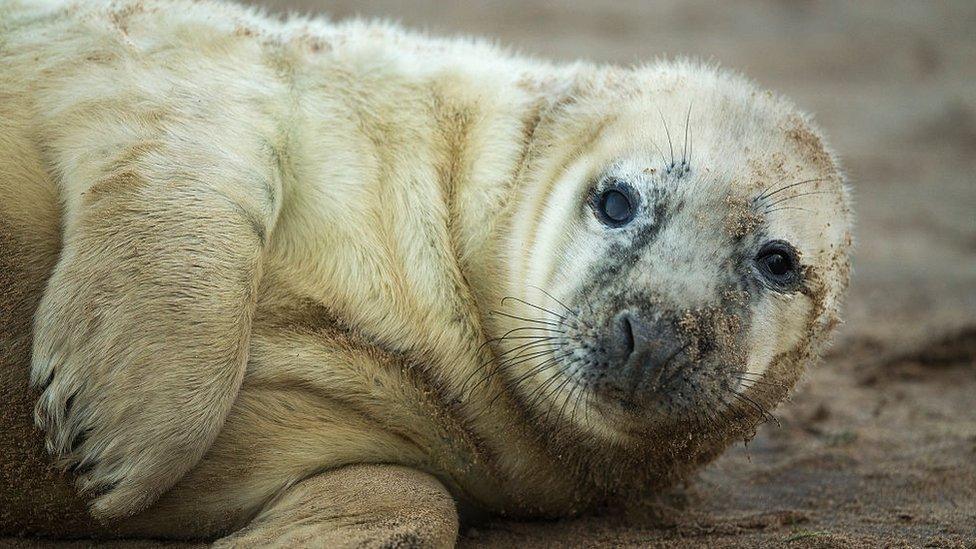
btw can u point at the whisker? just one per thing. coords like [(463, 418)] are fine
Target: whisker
[(781, 208), (515, 360), (713, 418), (743, 373), (541, 341), (524, 359), (533, 371), (660, 151), (505, 336), (576, 389), (722, 410), (572, 415), (668, 360), (569, 397), (726, 411), (586, 407), (525, 345), (762, 382), (762, 411), (684, 149), (570, 376), (573, 312), (514, 338), (668, 133), (767, 194), (553, 313), (542, 387), (513, 317), (545, 394), (798, 195), (526, 354), (539, 367), (555, 391), (522, 328)]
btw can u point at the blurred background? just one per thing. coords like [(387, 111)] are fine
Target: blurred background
[(879, 445)]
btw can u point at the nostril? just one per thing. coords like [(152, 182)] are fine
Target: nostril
[(627, 333)]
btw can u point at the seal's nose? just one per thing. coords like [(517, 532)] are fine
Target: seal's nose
[(645, 345)]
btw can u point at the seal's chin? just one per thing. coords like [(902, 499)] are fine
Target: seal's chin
[(698, 393), (686, 399)]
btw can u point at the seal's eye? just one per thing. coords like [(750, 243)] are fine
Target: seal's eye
[(614, 206), (778, 264)]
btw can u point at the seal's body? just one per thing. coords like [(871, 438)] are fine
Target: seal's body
[(292, 280)]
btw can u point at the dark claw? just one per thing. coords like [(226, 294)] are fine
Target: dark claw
[(67, 405), (50, 378), (95, 492), (82, 467), (79, 439)]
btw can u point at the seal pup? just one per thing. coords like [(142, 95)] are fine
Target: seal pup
[(285, 281)]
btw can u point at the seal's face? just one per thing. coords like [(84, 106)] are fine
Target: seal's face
[(678, 268)]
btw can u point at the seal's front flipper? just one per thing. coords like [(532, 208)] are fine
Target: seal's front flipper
[(141, 338), (356, 506)]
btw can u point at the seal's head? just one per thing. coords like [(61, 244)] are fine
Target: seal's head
[(678, 257)]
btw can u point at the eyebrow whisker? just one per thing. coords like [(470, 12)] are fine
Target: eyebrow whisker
[(767, 194), (684, 150), (668, 133), (781, 208), (792, 196)]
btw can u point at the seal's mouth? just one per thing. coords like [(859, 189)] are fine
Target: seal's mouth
[(657, 365), (685, 398)]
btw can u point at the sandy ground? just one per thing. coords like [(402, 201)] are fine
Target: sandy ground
[(878, 446)]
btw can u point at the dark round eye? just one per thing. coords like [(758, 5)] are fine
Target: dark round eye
[(614, 207), (778, 263)]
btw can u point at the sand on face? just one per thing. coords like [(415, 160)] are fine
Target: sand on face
[(879, 445)]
